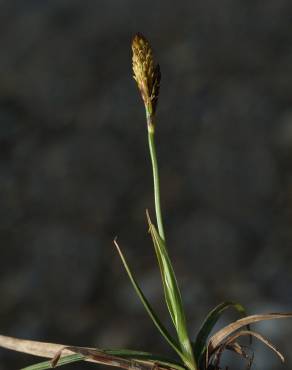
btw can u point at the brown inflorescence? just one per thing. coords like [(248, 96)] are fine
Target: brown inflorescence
[(146, 73)]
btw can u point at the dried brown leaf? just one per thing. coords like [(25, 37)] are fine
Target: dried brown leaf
[(103, 358), (241, 333), (55, 351), (218, 337), (41, 349), (237, 348)]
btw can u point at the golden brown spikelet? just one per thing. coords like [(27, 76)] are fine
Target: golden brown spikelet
[(146, 73)]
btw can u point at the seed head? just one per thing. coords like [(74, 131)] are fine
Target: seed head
[(146, 73)]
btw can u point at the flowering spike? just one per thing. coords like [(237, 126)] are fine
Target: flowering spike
[(146, 73)]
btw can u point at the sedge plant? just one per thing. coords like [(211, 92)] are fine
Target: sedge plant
[(201, 352)]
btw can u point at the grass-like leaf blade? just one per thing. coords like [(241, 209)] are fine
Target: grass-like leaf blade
[(48, 364), (172, 293), (145, 357), (223, 333), (115, 355), (209, 323), (122, 358), (261, 338), (171, 341)]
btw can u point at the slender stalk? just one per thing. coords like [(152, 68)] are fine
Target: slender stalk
[(182, 331), (147, 75), (151, 141)]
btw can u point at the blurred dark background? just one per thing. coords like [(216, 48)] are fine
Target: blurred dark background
[(75, 170)]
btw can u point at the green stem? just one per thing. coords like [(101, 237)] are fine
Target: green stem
[(184, 339), (151, 142)]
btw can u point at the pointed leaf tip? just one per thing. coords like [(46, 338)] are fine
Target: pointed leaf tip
[(171, 341), (209, 323), (172, 293)]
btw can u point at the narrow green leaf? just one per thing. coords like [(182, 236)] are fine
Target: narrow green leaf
[(172, 293), (209, 323), (129, 353), (122, 358), (145, 357), (135, 358), (48, 364), (171, 341)]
